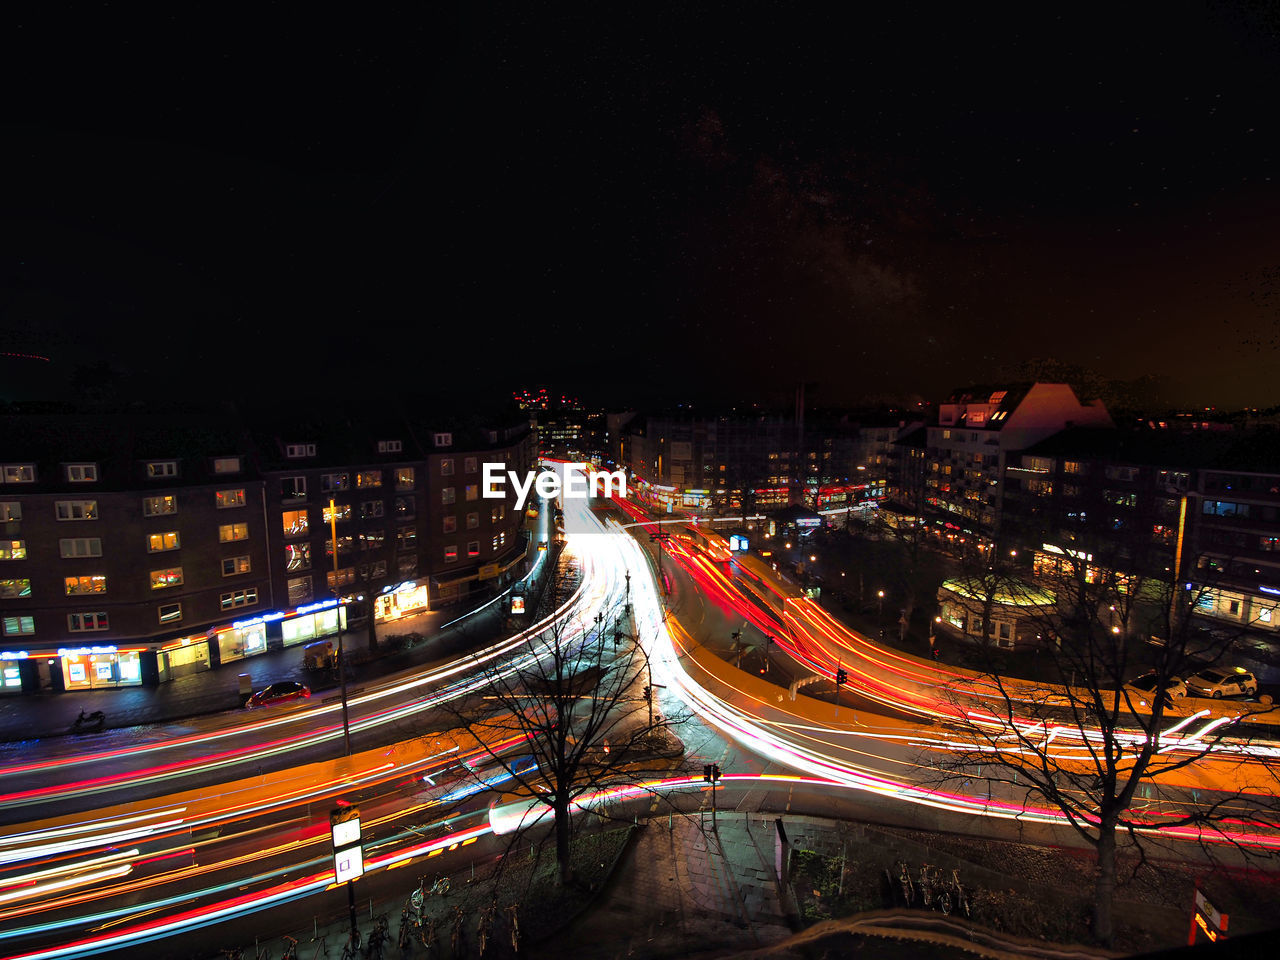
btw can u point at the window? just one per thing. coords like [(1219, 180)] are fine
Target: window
[(87, 622), (448, 495), (371, 508), (159, 506), (19, 626), (473, 548), (407, 566), (229, 498), (239, 598), (160, 579), (15, 549), (379, 568), (470, 465), (226, 465), (295, 523), (10, 589), (446, 467), (367, 479), (372, 539), (80, 547), (473, 491), (228, 532), (76, 509), (473, 521), (404, 507), (345, 545), (343, 511), (234, 566), (497, 513), (406, 538), (451, 553), (18, 473), (82, 472), (443, 439), (389, 446), (493, 436), (293, 488), (296, 451), (10, 510), (300, 590), (297, 556), (162, 468), (170, 612), (404, 478), (335, 482), (94, 583), (345, 575), (1223, 508), (450, 524)]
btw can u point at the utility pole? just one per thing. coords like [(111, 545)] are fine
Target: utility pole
[(841, 679), (710, 774), (342, 660)]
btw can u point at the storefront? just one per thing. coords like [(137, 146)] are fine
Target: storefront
[(404, 600), (241, 640), (94, 668), (312, 621), (184, 656), (12, 665)]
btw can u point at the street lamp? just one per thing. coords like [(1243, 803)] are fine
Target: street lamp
[(342, 660), (880, 594)]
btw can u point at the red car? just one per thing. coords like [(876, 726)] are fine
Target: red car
[(279, 693)]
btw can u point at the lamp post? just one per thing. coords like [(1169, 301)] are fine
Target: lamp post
[(880, 615), (342, 660)]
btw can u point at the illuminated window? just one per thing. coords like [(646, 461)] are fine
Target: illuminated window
[(451, 553), (448, 495), (296, 451), (15, 549), (473, 521), (162, 468), (343, 511), (229, 498), (345, 545), (404, 507), (471, 465), (497, 513), (300, 590), (297, 556), (87, 622), (19, 626), (82, 472), (443, 439), (345, 575), (159, 506), (226, 465), (80, 547), (368, 479), (239, 598), (18, 473), (473, 548), (389, 446), (449, 524), (170, 612), (77, 586), (10, 589), (473, 491), (170, 577), (446, 467), (406, 538), (407, 566), (295, 523), (293, 488), (229, 532), (76, 509), (371, 508), (335, 482), (10, 510), (234, 566), (372, 539), (404, 478)]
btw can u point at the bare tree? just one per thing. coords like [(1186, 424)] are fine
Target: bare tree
[(577, 702), (1106, 755)]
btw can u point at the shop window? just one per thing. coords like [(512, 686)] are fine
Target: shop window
[(170, 612), (408, 566), (229, 532), (451, 553), (169, 577), (373, 539), (10, 510), (159, 506), (77, 586), (82, 472), (335, 482), (293, 488), (11, 589), (300, 590), (473, 491), (471, 465), (404, 478), (87, 622), (345, 575), (15, 549), (450, 524), (19, 626), (407, 538), (226, 465), (79, 546), (162, 468), (160, 542), (239, 598), (297, 556), (448, 496), (296, 523), (371, 508), (368, 479), (473, 521), (473, 548), (229, 498), (234, 566), (343, 513), (18, 473), (76, 509)]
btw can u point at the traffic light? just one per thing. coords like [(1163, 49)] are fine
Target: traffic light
[(841, 678), (648, 692), (710, 772)]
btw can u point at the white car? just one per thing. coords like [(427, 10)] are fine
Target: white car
[(1219, 682), (1145, 686)]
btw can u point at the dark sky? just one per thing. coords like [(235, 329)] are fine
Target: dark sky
[(641, 204)]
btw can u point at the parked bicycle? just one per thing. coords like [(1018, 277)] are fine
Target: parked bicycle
[(483, 926), (926, 886), (514, 927), (351, 948), (377, 937), (904, 881), (235, 953), (290, 948), (959, 894), (455, 936), (439, 887)]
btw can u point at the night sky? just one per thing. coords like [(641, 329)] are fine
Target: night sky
[(642, 205)]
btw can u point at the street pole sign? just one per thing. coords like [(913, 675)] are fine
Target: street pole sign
[(1207, 920), (348, 854)]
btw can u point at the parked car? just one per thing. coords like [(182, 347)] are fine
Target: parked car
[(1145, 686), (279, 693), (1218, 682)]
